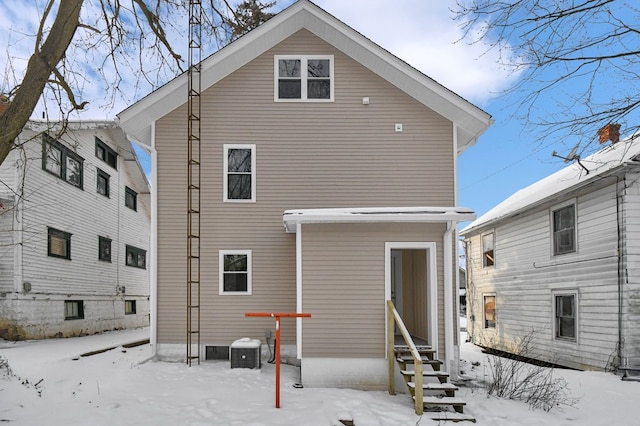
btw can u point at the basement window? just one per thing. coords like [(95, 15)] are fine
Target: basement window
[(216, 353), (73, 309), (129, 307)]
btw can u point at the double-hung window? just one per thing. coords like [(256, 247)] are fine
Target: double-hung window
[(239, 181), (566, 315), (235, 272), (564, 230), (304, 78), (60, 161)]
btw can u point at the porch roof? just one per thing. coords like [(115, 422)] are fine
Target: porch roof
[(291, 218)]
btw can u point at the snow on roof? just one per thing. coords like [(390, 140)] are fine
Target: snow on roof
[(375, 214), (572, 176)]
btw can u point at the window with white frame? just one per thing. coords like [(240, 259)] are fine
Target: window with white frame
[(488, 257), (303, 78), (489, 310), (565, 313), (239, 173), (564, 230), (235, 272)]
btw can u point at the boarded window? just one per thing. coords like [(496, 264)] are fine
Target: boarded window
[(490, 311)]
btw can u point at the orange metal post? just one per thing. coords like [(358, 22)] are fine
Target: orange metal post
[(277, 316)]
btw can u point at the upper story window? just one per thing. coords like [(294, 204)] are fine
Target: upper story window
[(106, 154), (102, 183), (239, 182), (136, 257), (564, 230), (60, 161), (58, 243), (130, 198), (488, 258), (303, 78), (104, 249)]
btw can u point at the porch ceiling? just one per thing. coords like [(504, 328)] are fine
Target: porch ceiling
[(291, 218)]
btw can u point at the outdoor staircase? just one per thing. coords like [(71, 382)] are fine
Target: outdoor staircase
[(439, 400)]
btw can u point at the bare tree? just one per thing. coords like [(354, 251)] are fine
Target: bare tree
[(80, 44), (579, 59)]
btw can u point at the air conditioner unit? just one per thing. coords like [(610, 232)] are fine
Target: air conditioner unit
[(245, 353)]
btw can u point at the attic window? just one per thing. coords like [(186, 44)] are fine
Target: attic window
[(106, 154), (488, 258), (303, 78)]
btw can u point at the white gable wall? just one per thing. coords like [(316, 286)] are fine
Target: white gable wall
[(526, 274)]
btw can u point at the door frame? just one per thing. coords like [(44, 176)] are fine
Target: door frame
[(432, 285)]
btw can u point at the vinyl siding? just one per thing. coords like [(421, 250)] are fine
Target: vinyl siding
[(309, 155), (7, 246), (86, 214), (343, 285), (631, 287), (526, 274)]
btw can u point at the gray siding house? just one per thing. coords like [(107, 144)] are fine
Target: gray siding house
[(559, 261), (74, 233), (328, 186)]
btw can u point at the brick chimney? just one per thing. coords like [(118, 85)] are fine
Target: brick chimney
[(609, 132)]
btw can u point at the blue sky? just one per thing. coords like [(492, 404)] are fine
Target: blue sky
[(506, 158)]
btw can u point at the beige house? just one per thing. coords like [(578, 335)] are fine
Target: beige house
[(328, 186)]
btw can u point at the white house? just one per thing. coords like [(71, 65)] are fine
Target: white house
[(560, 261), (74, 233)]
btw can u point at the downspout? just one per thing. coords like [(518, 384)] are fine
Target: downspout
[(448, 295), (621, 274), (153, 303)]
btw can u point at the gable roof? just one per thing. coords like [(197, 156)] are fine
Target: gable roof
[(606, 161), (470, 120)]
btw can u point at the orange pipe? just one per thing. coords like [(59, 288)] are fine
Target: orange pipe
[(277, 316)]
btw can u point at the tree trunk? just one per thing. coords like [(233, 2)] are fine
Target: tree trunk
[(40, 67)]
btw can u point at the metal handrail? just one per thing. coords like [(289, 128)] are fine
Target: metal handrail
[(393, 319)]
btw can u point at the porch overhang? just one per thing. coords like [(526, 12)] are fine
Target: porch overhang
[(291, 218)]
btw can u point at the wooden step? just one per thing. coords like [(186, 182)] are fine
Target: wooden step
[(435, 401), (448, 387), (438, 374), (425, 360), (449, 416), (421, 349)]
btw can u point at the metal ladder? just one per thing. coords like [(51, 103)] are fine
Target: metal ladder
[(194, 181)]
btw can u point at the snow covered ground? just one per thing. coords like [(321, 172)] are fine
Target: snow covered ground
[(50, 384)]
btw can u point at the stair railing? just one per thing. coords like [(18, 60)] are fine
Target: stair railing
[(393, 319)]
